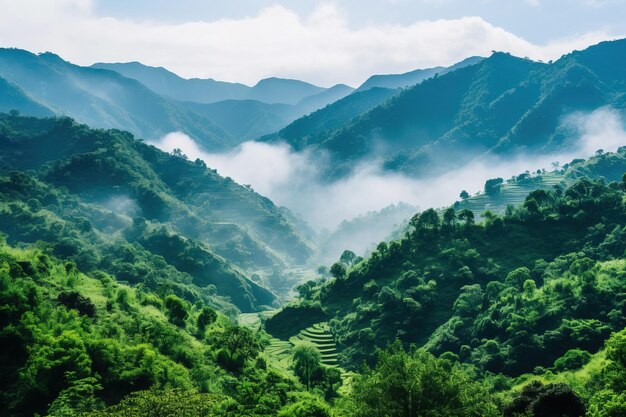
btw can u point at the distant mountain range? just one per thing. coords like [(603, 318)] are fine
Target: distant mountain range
[(151, 102), (414, 77), (270, 90), (419, 122), (502, 104), (101, 98)]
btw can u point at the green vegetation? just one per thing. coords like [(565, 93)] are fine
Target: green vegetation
[(123, 270), (513, 191), (522, 301), (107, 201), (67, 354), (500, 105), (99, 98)]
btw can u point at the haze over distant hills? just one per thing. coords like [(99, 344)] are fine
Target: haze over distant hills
[(223, 273), (500, 105), (269, 90), (103, 98)]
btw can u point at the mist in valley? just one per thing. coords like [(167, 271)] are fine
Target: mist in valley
[(294, 179)]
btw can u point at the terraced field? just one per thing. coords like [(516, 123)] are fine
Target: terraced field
[(319, 334), (510, 194)]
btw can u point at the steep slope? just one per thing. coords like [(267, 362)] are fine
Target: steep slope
[(411, 78), (320, 100), (502, 105), (179, 210), (313, 128), (14, 98), (250, 119), (246, 119), (513, 292), (104, 98)]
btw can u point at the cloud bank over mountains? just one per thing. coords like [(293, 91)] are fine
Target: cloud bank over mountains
[(321, 47), (292, 179)]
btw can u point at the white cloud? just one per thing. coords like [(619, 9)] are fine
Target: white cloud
[(321, 47), (293, 178)]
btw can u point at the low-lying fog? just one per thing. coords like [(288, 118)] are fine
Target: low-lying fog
[(293, 179)]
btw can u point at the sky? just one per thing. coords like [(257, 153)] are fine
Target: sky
[(323, 42)]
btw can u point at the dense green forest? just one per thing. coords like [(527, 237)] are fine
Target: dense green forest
[(124, 273), (108, 201), (528, 295)]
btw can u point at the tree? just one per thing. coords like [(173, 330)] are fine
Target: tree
[(449, 217), (468, 216), (348, 257), (238, 344), (74, 300), (165, 403), (552, 400), (429, 219), (176, 310), (492, 186), (573, 359), (306, 361), (412, 384), (206, 317), (464, 195), (306, 407), (338, 270)]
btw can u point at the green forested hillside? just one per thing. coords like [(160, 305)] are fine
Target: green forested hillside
[(537, 289), (73, 344), (467, 284), (504, 105), (513, 191), (310, 129), (110, 202), (76, 344), (102, 98), (122, 269)]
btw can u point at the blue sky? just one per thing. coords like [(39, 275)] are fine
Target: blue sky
[(324, 42), (538, 21)]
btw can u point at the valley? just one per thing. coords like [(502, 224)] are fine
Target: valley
[(397, 261)]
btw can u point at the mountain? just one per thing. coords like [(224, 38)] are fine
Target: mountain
[(250, 119), (411, 78), (14, 98), (308, 130), (244, 112), (166, 83), (107, 191), (502, 105), (280, 90), (104, 98), (508, 294), (270, 90), (320, 100), (246, 119)]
